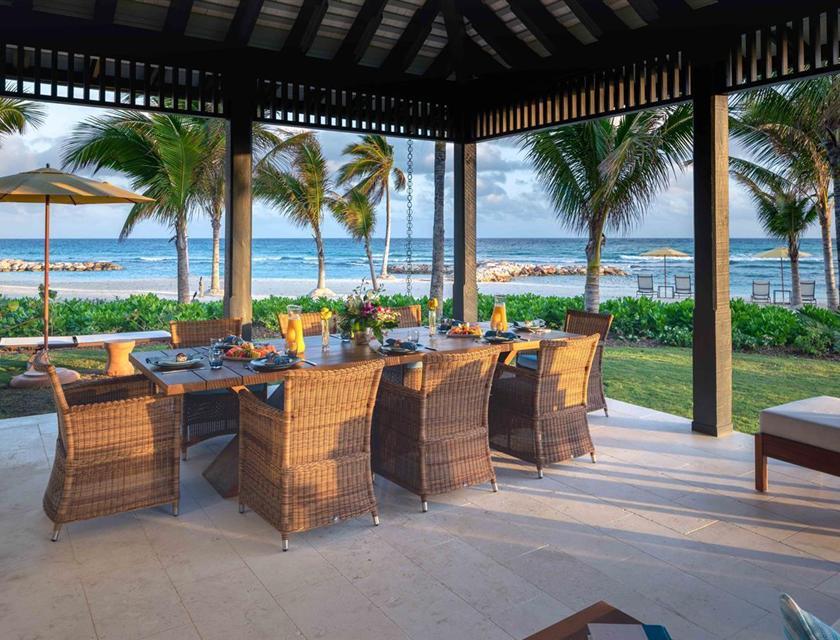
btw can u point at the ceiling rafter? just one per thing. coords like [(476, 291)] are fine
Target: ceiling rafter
[(104, 11), (456, 34), (413, 37), (597, 17), (441, 66), (497, 34), (553, 36), (177, 16), (361, 32), (243, 23), (306, 25), (647, 9)]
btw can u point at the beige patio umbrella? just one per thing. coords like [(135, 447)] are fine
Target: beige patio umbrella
[(782, 254), (665, 253), (51, 186)]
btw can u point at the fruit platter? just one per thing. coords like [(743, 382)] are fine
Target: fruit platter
[(248, 351), (466, 330)]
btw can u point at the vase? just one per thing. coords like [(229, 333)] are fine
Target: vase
[(362, 337)]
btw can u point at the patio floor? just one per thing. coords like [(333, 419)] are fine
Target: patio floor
[(666, 526)]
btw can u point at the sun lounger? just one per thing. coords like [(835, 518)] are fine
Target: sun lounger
[(93, 341), (760, 291), (644, 285), (682, 286), (808, 291)]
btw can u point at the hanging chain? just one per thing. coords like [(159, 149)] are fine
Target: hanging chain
[(409, 221)]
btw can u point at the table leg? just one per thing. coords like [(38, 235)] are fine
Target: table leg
[(223, 472)]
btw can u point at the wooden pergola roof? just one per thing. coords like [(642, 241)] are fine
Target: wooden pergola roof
[(452, 69)]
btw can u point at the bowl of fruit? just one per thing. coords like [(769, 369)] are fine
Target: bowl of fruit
[(248, 351), (465, 330)]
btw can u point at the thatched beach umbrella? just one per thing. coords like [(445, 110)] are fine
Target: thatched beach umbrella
[(665, 253), (782, 254), (51, 186)]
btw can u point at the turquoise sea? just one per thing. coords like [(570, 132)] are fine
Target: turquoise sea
[(282, 259)]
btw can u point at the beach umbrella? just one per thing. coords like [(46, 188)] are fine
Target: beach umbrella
[(51, 186), (665, 253), (781, 253)]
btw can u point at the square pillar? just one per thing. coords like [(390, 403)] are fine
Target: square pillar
[(712, 364), (237, 301), (464, 291)]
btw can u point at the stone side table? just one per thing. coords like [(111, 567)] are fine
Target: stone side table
[(118, 364)]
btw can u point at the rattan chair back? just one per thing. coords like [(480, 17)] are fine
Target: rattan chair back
[(585, 323), (563, 368), (311, 321), (199, 333), (410, 316)]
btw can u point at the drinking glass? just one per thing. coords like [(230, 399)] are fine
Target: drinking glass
[(294, 330), (214, 354), (498, 321), (414, 335)]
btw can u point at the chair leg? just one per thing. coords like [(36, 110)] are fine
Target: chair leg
[(285, 542), (375, 518), (760, 465), (606, 413), (424, 506), (183, 453), (241, 507), (494, 485), (540, 473), (175, 508), (592, 454), (56, 532)]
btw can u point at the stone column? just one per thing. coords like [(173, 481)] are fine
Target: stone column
[(464, 291)]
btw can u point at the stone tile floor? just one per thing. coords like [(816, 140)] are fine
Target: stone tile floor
[(666, 526)]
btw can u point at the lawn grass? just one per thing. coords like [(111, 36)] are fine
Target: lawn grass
[(660, 378), (655, 377)]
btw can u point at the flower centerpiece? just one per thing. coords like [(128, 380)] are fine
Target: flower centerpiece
[(363, 315)]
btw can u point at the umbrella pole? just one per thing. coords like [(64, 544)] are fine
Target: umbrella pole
[(46, 273), (782, 269)]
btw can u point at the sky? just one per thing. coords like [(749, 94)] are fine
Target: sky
[(510, 201)]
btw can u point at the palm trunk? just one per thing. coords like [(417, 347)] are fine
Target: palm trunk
[(795, 292), (828, 257), (369, 253), (592, 291), (183, 258), (834, 163), (383, 273), (438, 235), (322, 268), (216, 224)]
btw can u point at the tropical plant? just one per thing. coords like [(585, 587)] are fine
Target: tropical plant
[(438, 232), (601, 175), (293, 178), (782, 210), (16, 115), (355, 213), (371, 170), (794, 129), (162, 155)]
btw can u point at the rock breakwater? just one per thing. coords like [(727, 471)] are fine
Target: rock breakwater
[(7, 265), (506, 271)]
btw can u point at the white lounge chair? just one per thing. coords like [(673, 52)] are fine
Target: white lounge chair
[(760, 291), (808, 291), (682, 286), (644, 285)]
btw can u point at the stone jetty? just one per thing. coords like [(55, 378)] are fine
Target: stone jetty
[(506, 271), (7, 264)]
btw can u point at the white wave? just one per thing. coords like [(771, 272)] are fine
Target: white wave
[(156, 258), (652, 258)]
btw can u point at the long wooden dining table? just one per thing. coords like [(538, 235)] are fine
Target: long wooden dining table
[(222, 473)]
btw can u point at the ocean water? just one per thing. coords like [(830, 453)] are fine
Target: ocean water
[(284, 259)]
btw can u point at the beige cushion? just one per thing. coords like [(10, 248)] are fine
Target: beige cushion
[(814, 421)]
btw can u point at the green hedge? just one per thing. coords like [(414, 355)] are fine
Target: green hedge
[(812, 330)]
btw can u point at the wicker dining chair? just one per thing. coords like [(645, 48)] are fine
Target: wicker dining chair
[(585, 324), (410, 316), (307, 464), (116, 451), (540, 415), (433, 439), (206, 414), (311, 321)]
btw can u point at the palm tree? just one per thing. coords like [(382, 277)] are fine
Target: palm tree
[(163, 156), (438, 234), (782, 210), (795, 129), (601, 175), (370, 170), (356, 214), (16, 115), (293, 178)]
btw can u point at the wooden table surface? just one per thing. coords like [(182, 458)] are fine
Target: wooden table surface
[(236, 373), (575, 626)]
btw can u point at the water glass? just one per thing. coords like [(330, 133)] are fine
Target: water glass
[(214, 355), (414, 335)]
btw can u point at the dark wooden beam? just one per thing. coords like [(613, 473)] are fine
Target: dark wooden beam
[(464, 289), (597, 17), (647, 9), (497, 34), (243, 23), (712, 347), (441, 66), (306, 25), (412, 38), (456, 36), (103, 11), (672, 8), (177, 16), (25, 5), (544, 26), (480, 61), (361, 32)]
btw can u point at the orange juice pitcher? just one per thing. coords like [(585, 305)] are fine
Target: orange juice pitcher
[(294, 330), (498, 320)]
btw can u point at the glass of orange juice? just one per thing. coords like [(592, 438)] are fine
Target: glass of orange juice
[(498, 320), (294, 330)]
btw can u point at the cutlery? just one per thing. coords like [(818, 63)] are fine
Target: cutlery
[(425, 347), (309, 362)]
